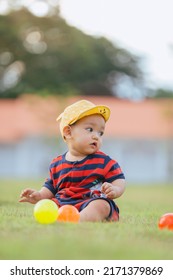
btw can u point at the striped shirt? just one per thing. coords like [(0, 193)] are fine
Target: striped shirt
[(76, 182)]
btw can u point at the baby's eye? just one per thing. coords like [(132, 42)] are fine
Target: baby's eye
[(101, 133), (90, 129)]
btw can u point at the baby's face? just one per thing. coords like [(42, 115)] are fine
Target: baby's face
[(87, 133)]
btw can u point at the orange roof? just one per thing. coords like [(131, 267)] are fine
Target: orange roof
[(33, 115)]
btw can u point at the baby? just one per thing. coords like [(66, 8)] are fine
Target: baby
[(84, 176)]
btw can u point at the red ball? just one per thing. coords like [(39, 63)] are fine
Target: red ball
[(68, 213), (166, 221)]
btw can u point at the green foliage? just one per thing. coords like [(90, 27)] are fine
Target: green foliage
[(135, 236), (163, 93), (46, 54)]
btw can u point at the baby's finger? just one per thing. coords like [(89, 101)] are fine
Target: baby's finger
[(24, 199), (104, 187), (27, 199), (110, 195), (26, 192), (107, 190)]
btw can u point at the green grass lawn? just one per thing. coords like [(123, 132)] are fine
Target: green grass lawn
[(135, 236)]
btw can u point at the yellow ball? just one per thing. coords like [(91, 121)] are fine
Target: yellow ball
[(46, 211)]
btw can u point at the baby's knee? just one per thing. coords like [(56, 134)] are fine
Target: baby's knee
[(104, 207)]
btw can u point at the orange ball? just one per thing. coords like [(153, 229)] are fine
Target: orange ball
[(166, 221), (68, 213)]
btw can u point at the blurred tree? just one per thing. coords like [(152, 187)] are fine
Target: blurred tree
[(45, 55)]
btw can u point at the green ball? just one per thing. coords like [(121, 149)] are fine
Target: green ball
[(46, 211)]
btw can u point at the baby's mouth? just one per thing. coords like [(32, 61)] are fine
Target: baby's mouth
[(94, 144)]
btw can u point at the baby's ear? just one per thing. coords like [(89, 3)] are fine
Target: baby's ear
[(67, 132)]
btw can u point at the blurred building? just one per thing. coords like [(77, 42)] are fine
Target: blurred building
[(139, 135)]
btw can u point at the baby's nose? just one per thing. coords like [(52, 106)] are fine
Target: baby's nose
[(95, 135)]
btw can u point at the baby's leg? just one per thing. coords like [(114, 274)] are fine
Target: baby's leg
[(96, 211)]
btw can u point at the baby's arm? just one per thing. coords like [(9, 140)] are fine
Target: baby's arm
[(33, 196), (113, 190)]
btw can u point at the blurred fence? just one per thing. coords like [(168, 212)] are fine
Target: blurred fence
[(143, 161)]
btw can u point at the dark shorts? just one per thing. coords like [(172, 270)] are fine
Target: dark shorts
[(114, 210)]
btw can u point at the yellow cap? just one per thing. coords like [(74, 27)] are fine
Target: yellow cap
[(79, 110)]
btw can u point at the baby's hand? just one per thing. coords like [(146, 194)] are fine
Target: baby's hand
[(109, 190), (30, 195)]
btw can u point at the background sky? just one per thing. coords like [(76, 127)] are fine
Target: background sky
[(144, 27)]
